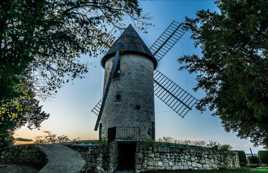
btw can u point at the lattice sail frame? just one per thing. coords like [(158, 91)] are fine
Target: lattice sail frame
[(167, 39), (97, 107), (174, 96)]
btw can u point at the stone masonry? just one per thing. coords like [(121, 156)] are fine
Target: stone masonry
[(159, 156), (182, 157), (130, 101)]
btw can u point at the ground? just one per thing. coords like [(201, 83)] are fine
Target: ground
[(61, 159)]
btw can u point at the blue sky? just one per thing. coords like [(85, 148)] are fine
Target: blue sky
[(70, 108)]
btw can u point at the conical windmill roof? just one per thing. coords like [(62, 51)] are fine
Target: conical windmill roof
[(129, 43)]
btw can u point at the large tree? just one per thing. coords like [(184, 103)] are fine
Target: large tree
[(48, 36), (40, 45), (233, 66)]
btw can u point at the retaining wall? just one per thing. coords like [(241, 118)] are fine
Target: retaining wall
[(182, 157), (158, 156)]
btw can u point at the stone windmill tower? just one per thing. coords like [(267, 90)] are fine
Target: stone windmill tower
[(128, 113)]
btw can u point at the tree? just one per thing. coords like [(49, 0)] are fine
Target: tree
[(50, 138), (18, 112), (233, 66), (40, 44), (48, 36)]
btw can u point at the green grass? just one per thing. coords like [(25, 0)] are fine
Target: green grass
[(250, 170), (261, 170)]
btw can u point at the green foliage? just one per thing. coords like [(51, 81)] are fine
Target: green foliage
[(23, 155), (178, 141), (49, 36), (263, 156), (253, 160), (233, 66), (20, 111), (225, 147), (218, 146), (50, 138), (41, 42), (242, 158)]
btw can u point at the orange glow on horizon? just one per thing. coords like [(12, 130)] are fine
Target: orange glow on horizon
[(33, 134)]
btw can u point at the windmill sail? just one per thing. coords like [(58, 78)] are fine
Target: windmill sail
[(96, 108), (168, 39), (172, 94), (115, 65)]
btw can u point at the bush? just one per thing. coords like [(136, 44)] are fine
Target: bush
[(263, 156), (242, 158), (23, 155), (253, 160)]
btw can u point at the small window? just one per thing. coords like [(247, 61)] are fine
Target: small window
[(137, 107), (117, 97), (117, 75)]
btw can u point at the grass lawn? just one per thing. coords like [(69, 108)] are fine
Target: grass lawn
[(252, 170), (258, 170)]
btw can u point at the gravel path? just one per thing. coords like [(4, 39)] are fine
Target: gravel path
[(61, 159)]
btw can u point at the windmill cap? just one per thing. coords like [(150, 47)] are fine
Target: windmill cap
[(129, 43)]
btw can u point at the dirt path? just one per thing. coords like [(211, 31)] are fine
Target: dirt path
[(61, 159)]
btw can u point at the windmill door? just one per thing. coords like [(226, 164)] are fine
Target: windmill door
[(111, 134), (126, 156)]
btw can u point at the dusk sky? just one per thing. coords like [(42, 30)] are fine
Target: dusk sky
[(70, 108)]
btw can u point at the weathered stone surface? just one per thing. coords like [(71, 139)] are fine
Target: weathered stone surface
[(129, 106), (98, 157), (180, 157), (152, 156)]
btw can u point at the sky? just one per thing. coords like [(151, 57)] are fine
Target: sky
[(70, 108)]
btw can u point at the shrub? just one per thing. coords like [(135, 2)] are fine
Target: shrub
[(242, 158), (263, 156), (52, 139), (23, 155), (253, 160)]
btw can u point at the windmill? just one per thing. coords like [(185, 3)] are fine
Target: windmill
[(130, 59)]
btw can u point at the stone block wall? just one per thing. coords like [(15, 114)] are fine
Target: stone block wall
[(96, 156), (102, 158), (154, 156)]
